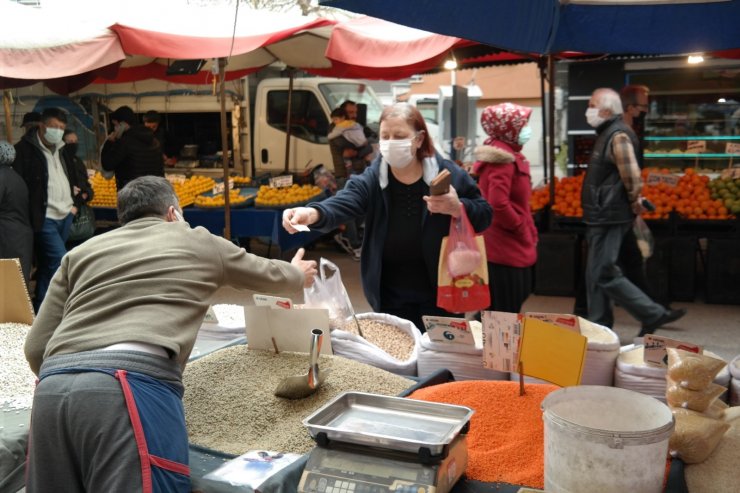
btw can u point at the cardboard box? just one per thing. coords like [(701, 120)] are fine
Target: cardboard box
[(15, 304)]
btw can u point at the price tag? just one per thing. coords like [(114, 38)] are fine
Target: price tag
[(272, 301), (671, 180), (281, 181), (448, 330), (218, 188), (654, 179), (501, 334), (564, 320), (732, 148), (176, 179), (655, 349), (696, 146)]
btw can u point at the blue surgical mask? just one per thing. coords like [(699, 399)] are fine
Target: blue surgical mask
[(53, 135), (524, 135)]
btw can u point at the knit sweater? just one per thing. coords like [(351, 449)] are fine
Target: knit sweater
[(149, 281)]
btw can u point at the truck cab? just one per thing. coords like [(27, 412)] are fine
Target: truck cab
[(312, 101)]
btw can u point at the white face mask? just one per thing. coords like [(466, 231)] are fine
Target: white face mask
[(524, 135), (397, 153), (593, 118), (178, 215), (53, 135)]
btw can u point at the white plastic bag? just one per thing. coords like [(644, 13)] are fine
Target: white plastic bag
[(328, 292), (644, 236)]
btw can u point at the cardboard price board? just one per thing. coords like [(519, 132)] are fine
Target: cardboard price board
[(563, 320), (448, 330), (654, 179), (272, 301), (696, 146), (501, 334), (290, 328), (552, 353), (15, 304), (281, 181), (655, 349), (732, 148)]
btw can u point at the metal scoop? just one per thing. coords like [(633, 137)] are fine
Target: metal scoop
[(300, 386)]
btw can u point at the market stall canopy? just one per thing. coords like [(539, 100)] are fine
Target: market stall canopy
[(365, 47), (553, 26), (66, 58)]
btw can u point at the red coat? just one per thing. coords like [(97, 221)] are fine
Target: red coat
[(505, 183)]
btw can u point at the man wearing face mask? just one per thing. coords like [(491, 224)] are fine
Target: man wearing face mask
[(611, 199), (404, 224), (505, 182), (51, 182)]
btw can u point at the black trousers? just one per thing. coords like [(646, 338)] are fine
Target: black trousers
[(509, 286)]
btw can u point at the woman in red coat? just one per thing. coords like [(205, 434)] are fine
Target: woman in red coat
[(505, 182)]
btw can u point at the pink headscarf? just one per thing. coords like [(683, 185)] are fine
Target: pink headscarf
[(504, 122)]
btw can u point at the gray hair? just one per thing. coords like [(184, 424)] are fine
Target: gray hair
[(608, 99), (146, 196)]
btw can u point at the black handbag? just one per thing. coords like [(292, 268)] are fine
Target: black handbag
[(83, 224)]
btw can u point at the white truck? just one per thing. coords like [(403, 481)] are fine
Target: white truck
[(256, 109)]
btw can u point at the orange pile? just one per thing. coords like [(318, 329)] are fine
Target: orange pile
[(568, 196), (691, 197)]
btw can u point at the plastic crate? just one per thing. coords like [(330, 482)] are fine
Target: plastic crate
[(558, 264), (723, 271)]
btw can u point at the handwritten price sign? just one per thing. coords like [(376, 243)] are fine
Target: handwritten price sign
[(732, 148), (696, 146)]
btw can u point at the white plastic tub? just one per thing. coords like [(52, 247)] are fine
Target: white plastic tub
[(605, 439)]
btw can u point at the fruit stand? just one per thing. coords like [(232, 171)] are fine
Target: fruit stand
[(256, 213), (695, 212)]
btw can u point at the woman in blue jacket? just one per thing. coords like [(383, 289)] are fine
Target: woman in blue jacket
[(404, 225)]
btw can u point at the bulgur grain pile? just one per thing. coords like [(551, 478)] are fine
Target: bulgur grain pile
[(230, 406), (17, 381)]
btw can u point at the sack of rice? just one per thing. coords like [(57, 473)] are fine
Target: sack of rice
[(695, 437), (389, 342), (633, 373), (17, 381), (692, 370), (464, 361), (696, 400)]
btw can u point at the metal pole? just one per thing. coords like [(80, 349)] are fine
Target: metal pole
[(224, 146), (541, 63), (551, 123), (288, 119), (8, 116)]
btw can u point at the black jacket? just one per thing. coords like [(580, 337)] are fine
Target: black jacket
[(16, 237), (137, 153), (603, 196), (30, 163), (81, 175), (362, 196)]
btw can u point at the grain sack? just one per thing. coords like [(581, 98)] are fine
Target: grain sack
[(632, 373), (390, 343), (696, 400), (230, 406), (691, 370), (714, 411), (602, 351), (735, 392), (718, 473), (735, 367), (17, 381), (695, 437), (464, 361)]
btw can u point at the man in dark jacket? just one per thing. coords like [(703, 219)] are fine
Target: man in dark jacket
[(131, 150), (51, 182), (611, 198), (170, 149)]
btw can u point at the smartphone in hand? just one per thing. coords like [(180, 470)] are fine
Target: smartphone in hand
[(441, 183)]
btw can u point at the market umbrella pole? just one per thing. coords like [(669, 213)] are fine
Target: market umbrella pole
[(8, 116), (224, 146), (287, 123), (541, 63), (551, 123)]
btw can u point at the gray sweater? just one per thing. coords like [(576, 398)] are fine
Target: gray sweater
[(149, 281)]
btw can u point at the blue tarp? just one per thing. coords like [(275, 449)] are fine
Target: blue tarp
[(549, 26)]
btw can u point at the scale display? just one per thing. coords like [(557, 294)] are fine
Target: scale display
[(361, 470)]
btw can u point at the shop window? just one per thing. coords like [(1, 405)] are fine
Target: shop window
[(307, 117)]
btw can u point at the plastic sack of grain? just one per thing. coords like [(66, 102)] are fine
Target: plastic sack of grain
[(695, 437), (696, 400), (691, 370), (390, 343), (718, 473), (632, 373), (464, 361), (602, 351)]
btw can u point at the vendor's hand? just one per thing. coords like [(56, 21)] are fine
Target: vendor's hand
[(73, 211), (308, 267), (112, 136), (299, 215), (75, 190), (448, 203)]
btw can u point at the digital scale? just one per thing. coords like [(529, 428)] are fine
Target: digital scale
[(362, 470), (370, 443)]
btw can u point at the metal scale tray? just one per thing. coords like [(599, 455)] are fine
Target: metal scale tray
[(393, 423)]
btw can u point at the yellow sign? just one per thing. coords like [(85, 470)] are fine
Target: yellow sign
[(552, 353)]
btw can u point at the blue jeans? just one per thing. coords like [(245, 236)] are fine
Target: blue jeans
[(49, 252), (605, 281)]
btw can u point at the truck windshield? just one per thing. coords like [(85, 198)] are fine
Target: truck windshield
[(337, 93)]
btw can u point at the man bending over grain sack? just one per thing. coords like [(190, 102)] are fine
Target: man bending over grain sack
[(112, 338)]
